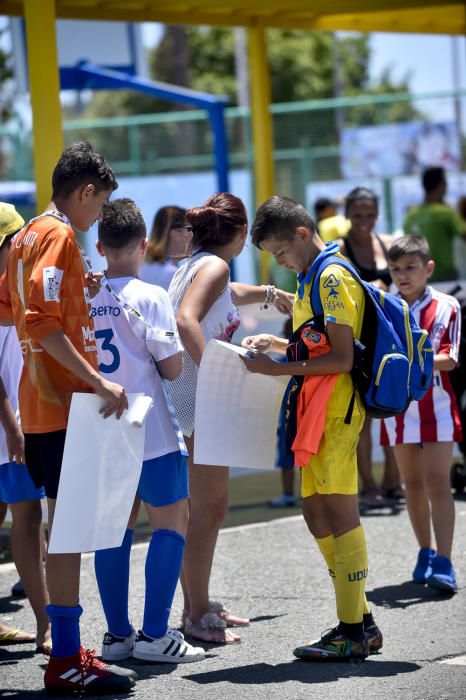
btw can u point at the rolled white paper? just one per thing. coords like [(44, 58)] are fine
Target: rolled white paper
[(137, 413)]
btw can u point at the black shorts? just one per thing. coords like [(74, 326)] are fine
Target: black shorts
[(44, 455)]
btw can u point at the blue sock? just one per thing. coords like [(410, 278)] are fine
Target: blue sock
[(64, 623), (163, 565), (112, 573)]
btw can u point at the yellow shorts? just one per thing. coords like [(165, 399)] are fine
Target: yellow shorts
[(334, 469)]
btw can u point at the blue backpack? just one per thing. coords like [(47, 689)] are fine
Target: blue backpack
[(393, 359)]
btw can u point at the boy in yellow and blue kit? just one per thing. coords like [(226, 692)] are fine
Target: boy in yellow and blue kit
[(329, 486)]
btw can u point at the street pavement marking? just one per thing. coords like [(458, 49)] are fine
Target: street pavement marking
[(455, 661)]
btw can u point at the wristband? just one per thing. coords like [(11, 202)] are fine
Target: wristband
[(271, 296)]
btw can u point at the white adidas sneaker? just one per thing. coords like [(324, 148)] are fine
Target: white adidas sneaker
[(117, 648), (171, 649)]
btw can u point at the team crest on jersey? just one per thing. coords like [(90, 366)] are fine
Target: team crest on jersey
[(437, 331), (51, 280), (331, 283), (312, 335)]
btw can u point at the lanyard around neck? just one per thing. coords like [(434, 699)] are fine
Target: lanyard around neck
[(158, 334)]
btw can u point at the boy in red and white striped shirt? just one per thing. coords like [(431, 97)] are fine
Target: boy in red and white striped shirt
[(423, 436)]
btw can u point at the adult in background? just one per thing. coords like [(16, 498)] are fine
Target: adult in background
[(168, 243), (437, 222), (206, 306), (368, 251)]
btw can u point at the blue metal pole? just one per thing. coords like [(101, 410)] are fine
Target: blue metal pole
[(217, 120)]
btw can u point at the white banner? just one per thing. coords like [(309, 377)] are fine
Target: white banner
[(100, 473), (236, 411)]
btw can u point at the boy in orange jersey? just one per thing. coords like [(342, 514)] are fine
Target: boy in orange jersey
[(44, 293)]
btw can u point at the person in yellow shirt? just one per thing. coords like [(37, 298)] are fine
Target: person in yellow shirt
[(330, 224), (329, 484)]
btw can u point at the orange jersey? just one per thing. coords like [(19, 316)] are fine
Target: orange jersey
[(43, 290)]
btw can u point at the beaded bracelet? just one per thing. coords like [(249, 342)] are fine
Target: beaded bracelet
[(271, 296)]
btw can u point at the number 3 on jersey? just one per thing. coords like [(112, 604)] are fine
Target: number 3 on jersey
[(106, 335)]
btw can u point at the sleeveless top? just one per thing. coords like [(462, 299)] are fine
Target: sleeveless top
[(220, 322), (369, 274)]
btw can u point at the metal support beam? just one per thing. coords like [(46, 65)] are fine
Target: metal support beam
[(260, 95), (45, 93), (88, 75)]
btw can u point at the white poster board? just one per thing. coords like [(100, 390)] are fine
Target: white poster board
[(236, 411), (100, 473)]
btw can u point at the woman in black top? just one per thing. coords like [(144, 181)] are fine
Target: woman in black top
[(368, 252), (366, 249)]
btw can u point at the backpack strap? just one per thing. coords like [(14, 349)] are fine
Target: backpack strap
[(324, 262), (316, 302)]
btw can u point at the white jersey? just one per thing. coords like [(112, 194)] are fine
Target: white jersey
[(11, 365), (126, 347), (435, 418), (220, 322)]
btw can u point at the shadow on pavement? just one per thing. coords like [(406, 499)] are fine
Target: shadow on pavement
[(404, 595), (396, 508), (264, 618), (8, 604), (15, 653), (304, 672)]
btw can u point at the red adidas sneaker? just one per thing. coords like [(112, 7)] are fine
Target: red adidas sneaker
[(84, 674)]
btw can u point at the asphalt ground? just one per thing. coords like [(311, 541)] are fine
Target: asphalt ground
[(272, 572)]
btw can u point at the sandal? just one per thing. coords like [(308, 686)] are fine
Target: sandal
[(372, 498), (397, 493), (224, 614), (210, 628), (15, 636), (45, 649)]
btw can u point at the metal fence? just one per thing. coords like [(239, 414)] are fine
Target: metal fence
[(306, 137)]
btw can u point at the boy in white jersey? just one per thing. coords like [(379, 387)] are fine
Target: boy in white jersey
[(134, 351), (423, 436), (16, 486)]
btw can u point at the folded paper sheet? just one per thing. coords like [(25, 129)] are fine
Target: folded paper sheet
[(100, 473), (236, 411)]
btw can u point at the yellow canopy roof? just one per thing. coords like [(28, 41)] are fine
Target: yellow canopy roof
[(418, 16)]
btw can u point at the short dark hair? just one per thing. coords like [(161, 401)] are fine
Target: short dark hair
[(322, 204), (409, 245), (359, 193), (121, 224), (80, 164), (279, 217), (217, 221), (432, 178)]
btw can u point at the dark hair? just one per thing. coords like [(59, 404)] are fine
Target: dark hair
[(462, 207), (80, 165), (165, 219), (217, 221), (279, 217), (322, 204), (121, 224), (409, 245), (432, 178), (360, 193)]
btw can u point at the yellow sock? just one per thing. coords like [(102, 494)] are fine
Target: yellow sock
[(350, 575), (327, 549)]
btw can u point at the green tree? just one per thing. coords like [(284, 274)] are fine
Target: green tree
[(303, 66)]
